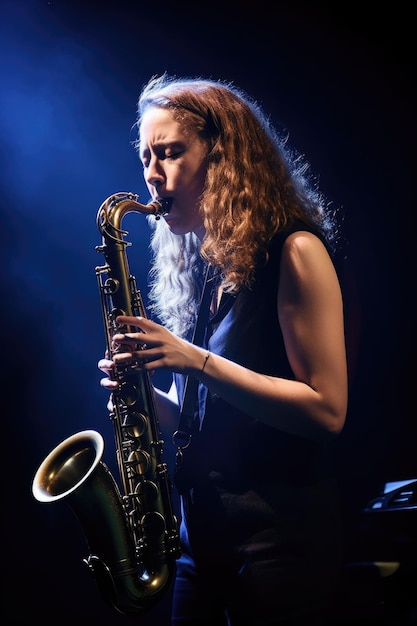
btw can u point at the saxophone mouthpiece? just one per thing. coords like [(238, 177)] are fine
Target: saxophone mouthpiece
[(165, 204)]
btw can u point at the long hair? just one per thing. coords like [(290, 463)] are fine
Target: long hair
[(255, 186)]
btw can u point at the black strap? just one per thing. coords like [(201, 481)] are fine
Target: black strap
[(182, 436)]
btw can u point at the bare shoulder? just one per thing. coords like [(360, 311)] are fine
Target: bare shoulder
[(303, 248), (307, 273), (303, 240)]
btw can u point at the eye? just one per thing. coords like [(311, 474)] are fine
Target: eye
[(173, 156)]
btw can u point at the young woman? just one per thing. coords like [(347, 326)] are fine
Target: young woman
[(260, 526)]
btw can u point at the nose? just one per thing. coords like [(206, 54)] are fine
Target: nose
[(154, 174)]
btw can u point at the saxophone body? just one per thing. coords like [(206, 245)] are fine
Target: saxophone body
[(130, 526)]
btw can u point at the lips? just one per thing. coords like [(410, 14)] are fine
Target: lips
[(166, 204)]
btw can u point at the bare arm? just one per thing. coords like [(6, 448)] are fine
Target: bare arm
[(310, 311)]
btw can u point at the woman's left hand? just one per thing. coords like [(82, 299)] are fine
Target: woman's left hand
[(155, 347)]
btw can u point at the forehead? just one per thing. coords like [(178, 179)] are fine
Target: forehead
[(159, 126)]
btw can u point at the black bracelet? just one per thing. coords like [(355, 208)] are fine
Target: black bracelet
[(205, 361)]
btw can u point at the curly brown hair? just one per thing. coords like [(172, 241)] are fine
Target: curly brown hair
[(255, 184)]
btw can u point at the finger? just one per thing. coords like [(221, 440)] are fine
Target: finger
[(129, 320), (148, 360), (143, 323), (105, 364), (122, 344), (109, 384), (126, 358)]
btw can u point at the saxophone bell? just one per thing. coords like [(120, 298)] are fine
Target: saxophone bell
[(68, 466)]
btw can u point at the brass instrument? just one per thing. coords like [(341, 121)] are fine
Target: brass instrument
[(133, 538)]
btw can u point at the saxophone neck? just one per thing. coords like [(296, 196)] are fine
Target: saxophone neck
[(116, 206)]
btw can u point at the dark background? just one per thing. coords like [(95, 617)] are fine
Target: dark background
[(340, 81)]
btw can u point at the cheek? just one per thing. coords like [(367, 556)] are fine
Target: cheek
[(199, 178)]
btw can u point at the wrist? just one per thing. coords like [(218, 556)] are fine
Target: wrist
[(206, 358)]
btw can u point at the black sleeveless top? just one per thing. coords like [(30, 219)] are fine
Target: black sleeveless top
[(242, 479)]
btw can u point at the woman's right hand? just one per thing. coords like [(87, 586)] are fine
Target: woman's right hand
[(166, 402), (107, 367)]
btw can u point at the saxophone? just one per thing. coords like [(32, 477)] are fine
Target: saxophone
[(133, 538)]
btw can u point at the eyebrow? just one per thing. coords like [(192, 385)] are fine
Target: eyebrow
[(162, 146)]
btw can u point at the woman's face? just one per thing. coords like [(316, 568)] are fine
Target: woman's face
[(174, 163)]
